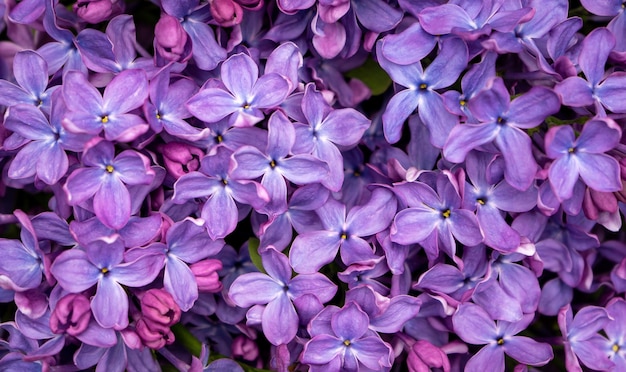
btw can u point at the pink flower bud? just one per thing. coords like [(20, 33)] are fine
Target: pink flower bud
[(153, 335), (170, 39), (71, 315), (226, 13), (206, 275), (158, 306), (245, 348), (181, 158), (96, 11)]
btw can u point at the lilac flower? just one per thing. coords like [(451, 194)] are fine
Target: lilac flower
[(214, 180), (276, 166), (347, 344), (327, 129), (31, 74), (421, 93), (101, 263), (474, 326), (605, 91), (45, 155), (581, 339), (243, 96), (502, 121), (105, 178), (615, 346), (91, 113), (345, 233), (278, 289), (432, 219), (584, 156), (186, 243), (22, 263)]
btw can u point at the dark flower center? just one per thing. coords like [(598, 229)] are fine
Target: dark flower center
[(109, 168), (446, 213)]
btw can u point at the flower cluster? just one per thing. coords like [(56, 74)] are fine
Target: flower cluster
[(301, 185)]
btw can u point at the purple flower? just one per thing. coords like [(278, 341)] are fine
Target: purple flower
[(101, 263), (502, 121), (347, 344), (89, 112), (31, 74), (584, 156), (605, 91), (243, 95), (473, 325), (45, 155), (278, 289), (343, 232), (421, 93)]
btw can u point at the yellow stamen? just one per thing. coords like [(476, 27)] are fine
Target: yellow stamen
[(500, 341), (344, 236), (272, 163), (446, 213), (615, 348), (219, 138), (104, 119), (423, 86), (109, 168), (347, 342), (481, 201), (104, 270), (463, 102)]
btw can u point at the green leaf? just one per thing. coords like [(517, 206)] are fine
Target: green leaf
[(255, 257), (372, 75), (188, 340)]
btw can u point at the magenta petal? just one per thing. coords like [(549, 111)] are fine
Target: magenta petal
[(111, 202), (329, 38), (280, 321), (110, 304)]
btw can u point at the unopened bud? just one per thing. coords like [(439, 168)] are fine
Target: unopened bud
[(158, 306), (71, 315), (96, 11), (153, 335), (226, 13), (206, 275), (170, 39), (245, 348), (181, 158)]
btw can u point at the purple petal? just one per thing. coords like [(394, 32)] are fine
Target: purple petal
[(401, 309), (599, 136), (357, 250), (489, 358), (24, 165), (381, 204), (193, 185), (531, 109), (205, 50), (312, 250), (442, 19), (521, 166), (31, 72), (344, 127), (376, 15), (498, 234), (222, 104), (133, 168), (464, 227), (599, 171), (465, 137), (372, 352), (110, 304), (139, 272), (74, 272), (277, 265), (316, 284), (53, 164), (80, 95), (563, 174), (220, 213), (595, 51), (528, 351), (254, 288), (413, 225), (280, 321), (239, 73), (409, 46), (473, 325), (177, 276), (249, 163), (281, 135), (329, 38), (269, 91), (603, 7), (112, 214), (127, 91), (575, 92), (611, 93), (303, 169), (397, 111), (350, 323), (448, 65), (322, 349)]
